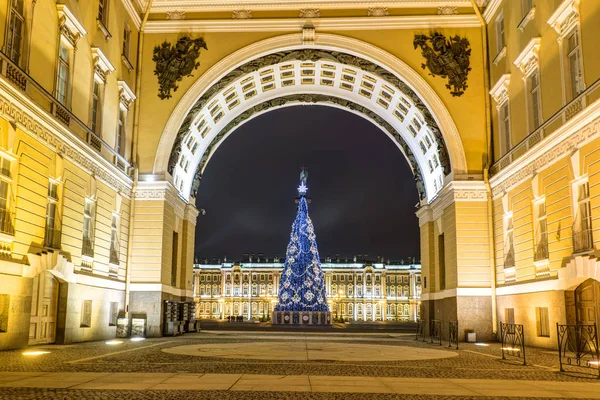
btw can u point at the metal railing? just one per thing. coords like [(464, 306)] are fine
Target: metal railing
[(435, 331), (22, 81), (87, 247), (52, 238), (420, 329), (513, 341), (578, 346), (453, 334), (6, 222), (567, 112), (582, 240)]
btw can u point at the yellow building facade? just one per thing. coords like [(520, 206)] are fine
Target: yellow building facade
[(99, 173), (356, 291)]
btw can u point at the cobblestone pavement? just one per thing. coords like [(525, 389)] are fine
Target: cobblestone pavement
[(63, 394), (472, 362)]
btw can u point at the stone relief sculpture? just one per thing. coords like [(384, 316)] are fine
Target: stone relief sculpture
[(175, 62), (311, 55), (448, 58)]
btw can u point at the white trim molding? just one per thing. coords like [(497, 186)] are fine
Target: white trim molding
[(295, 24), (163, 191), (529, 59), (161, 6), (467, 190), (490, 10), (133, 13), (102, 66), (565, 17), (69, 21), (458, 292), (499, 91), (126, 95)]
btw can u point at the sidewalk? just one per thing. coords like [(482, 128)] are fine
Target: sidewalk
[(297, 383)]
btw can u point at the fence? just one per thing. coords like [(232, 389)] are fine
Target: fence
[(578, 346), (513, 341), (420, 329), (453, 334), (435, 331)]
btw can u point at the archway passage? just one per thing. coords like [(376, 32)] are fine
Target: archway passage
[(362, 188), (311, 76)]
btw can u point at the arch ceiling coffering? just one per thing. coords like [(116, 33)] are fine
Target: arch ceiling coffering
[(305, 76)]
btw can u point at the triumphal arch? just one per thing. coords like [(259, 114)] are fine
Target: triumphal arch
[(103, 153)]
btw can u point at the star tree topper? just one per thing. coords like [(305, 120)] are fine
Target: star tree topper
[(302, 189)]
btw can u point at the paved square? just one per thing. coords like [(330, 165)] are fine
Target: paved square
[(238, 365)]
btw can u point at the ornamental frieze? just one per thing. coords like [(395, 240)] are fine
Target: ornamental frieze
[(312, 55), (32, 126), (311, 98)]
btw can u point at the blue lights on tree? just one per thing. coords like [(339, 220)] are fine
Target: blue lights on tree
[(302, 285)]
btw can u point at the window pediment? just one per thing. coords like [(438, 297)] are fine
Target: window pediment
[(126, 95), (500, 90), (565, 17), (529, 58), (102, 67), (70, 27)]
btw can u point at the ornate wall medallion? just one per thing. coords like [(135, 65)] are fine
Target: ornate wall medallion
[(175, 62), (448, 58)]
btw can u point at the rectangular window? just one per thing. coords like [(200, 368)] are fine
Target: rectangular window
[(120, 139), (504, 122), (582, 227), (86, 314), (62, 79), (115, 246), (103, 11), (535, 106), (52, 235), (126, 41), (541, 231), (6, 225), (526, 6), (89, 217), (500, 41), (574, 64), (16, 23), (114, 313), (509, 249), (542, 321), (96, 107)]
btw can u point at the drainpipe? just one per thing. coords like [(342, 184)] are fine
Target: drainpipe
[(134, 153), (486, 168)]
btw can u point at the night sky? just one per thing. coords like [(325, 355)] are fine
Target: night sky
[(362, 189)]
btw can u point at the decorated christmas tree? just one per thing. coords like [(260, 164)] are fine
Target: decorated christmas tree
[(302, 285)]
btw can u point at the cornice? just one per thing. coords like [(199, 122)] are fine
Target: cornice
[(565, 16), (36, 122), (491, 9), (161, 6), (579, 130), (529, 58), (463, 191), (500, 90), (162, 191), (296, 24), (133, 13), (191, 213)]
